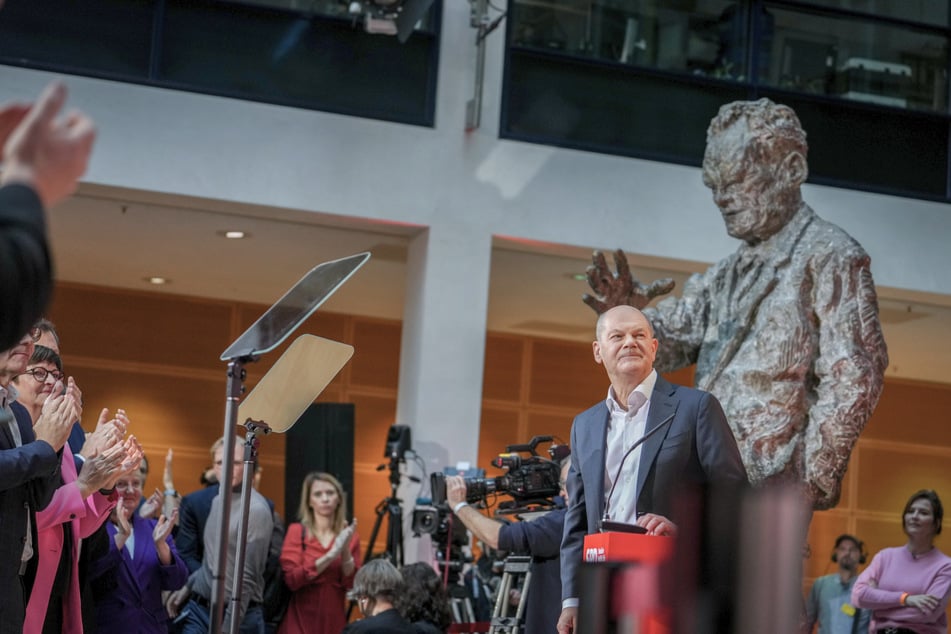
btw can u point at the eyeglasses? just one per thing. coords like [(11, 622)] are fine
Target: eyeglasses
[(128, 486), (40, 374)]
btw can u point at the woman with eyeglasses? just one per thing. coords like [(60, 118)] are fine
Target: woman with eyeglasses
[(142, 562), (375, 589), (907, 587), (78, 508), (320, 556)]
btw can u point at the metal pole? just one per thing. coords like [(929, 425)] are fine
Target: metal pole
[(250, 459), (236, 375)]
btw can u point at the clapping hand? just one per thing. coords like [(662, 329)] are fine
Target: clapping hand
[(342, 541), (108, 432), (123, 526), (152, 505), (163, 527)]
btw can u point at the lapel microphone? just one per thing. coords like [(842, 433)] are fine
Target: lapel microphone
[(611, 525)]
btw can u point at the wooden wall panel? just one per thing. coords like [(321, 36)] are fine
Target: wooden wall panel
[(498, 430), (887, 477), (376, 361), (503, 368), (564, 374), (146, 328), (912, 413), (374, 415), (546, 424)]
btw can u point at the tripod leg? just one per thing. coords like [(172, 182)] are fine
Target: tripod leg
[(394, 538), (380, 512)]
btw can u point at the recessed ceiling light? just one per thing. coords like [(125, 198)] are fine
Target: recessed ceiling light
[(234, 234), (158, 281)]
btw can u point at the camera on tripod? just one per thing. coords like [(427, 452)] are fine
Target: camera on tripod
[(530, 479)]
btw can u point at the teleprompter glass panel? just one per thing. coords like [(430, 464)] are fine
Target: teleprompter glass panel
[(861, 60)]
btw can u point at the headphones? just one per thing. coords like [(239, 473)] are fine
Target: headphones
[(863, 554)]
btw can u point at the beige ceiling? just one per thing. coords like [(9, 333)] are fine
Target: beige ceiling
[(119, 238)]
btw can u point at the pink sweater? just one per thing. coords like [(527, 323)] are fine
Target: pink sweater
[(895, 572)]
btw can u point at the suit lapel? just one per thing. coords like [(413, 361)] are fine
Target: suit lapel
[(593, 457), (663, 406)]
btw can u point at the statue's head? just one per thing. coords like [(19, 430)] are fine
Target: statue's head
[(754, 164)]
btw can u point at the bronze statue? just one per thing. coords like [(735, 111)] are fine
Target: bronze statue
[(784, 331)]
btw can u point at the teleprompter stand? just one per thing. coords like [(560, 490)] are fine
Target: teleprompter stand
[(312, 363)]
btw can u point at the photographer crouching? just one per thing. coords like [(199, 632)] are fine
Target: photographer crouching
[(540, 538)]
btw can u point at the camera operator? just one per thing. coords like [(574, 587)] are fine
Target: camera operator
[(540, 538)]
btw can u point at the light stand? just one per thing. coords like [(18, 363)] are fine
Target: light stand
[(392, 509)]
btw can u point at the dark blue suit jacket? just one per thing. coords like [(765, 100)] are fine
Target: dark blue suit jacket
[(130, 588), (29, 475), (192, 516), (25, 268), (696, 447)]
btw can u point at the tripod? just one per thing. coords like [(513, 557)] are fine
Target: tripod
[(502, 623), (390, 507)]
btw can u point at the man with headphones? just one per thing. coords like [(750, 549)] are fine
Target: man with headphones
[(829, 602)]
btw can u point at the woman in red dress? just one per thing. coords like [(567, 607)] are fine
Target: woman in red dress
[(320, 556)]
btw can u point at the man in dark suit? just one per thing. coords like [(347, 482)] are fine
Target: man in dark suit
[(42, 157), (29, 475), (692, 444)]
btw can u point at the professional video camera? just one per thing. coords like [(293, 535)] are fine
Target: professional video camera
[(530, 479)]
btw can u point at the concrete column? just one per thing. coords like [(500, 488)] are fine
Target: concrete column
[(442, 356), (443, 342)]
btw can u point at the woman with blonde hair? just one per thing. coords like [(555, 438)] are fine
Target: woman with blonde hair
[(320, 556)]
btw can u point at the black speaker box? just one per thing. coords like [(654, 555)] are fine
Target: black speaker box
[(320, 440)]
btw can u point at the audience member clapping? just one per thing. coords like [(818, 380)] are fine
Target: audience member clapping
[(141, 563), (321, 553)]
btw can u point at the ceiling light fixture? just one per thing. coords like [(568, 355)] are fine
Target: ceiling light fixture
[(233, 234), (158, 281)]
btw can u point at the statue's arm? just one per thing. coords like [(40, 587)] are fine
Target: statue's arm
[(679, 324), (849, 369)]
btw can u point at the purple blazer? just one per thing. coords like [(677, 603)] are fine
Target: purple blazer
[(129, 593)]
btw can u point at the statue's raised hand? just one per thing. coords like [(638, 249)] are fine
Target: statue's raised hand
[(619, 288)]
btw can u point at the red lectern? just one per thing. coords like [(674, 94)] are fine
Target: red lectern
[(635, 595)]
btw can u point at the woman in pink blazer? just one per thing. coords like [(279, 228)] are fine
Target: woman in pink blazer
[(77, 509)]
